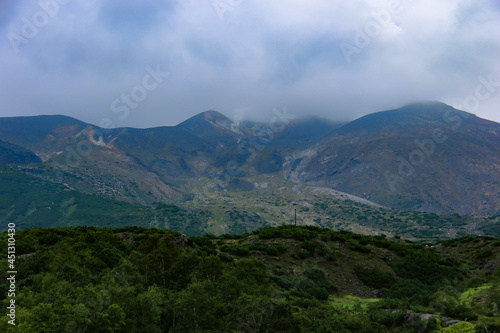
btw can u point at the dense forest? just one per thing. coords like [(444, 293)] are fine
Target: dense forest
[(282, 279)]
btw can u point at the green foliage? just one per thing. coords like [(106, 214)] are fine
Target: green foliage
[(484, 254), (272, 249), (301, 254), (297, 233), (316, 248), (412, 290), (352, 245), (446, 301), (312, 284), (489, 324), (388, 318), (234, 249), (462, 327), (425, 267), (226, 257), (132, 279), (374, 277)]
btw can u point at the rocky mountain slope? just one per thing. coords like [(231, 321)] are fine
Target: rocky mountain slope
[(425, 156)]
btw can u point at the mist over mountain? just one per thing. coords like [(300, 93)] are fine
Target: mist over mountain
[(424, 156), (250, 166)]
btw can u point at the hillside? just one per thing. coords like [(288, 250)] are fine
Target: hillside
[(237, 177), (17, 155), (284, 279), (425, 156), (30, 200)]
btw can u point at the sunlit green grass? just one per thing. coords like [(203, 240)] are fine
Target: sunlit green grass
[(353, 302), (468, 295)]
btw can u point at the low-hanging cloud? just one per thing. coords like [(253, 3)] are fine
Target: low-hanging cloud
[(246, 57)]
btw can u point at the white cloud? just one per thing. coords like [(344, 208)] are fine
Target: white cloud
[(264, 54)]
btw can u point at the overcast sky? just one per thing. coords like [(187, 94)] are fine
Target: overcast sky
[(152, 63)]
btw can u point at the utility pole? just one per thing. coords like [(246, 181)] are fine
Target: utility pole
[(295, 216)]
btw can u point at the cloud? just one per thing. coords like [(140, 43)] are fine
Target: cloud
[(259, 56)]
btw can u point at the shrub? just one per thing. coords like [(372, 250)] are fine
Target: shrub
[(424, 267), (314, 274), (258, 246), (301, 254), (316, 290), (484, 254), (239, 250), (276, 248), (357, 247), (286, 231), (381, 243), (374, 277), (462, 327), (400, 248), (489, 324), (318, 249), (414, 290), (388, 318), (226, 257)]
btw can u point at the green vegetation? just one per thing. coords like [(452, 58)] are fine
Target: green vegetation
[(33, 202), (44, 197), (283, 279), (374, 277), (353, 302)]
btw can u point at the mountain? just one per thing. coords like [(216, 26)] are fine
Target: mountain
[(424, 156), (41, 134), (210, 126), (305, 131), (143, 165), (14, 154)]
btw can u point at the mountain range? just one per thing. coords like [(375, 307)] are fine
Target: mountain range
[(425, 157)]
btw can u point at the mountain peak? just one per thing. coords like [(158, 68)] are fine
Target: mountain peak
[(210, 116), (213, 115), (209, 123), (426, 104)]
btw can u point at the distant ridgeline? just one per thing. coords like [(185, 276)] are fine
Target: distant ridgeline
[(423, 171)]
